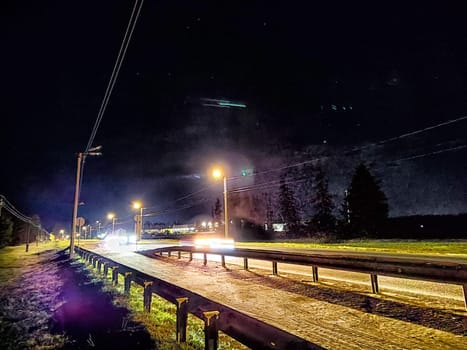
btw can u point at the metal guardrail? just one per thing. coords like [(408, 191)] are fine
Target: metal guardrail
[(217, 317), (417, 268)]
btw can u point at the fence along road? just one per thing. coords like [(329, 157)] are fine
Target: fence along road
[(328, 325)]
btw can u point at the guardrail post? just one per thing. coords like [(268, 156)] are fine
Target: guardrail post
[(464, 287), (211, 335), (94, 261), (314, 271), (223, 260), (374, 283), (127, 282), (169, 253), (191, 256), (274, 267), (106, 269), (179, 254), (205, 259), (245, 263), (99, 265), (182, 318), (147, 296), (115, 275)]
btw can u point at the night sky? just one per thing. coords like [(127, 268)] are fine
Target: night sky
[(341, 81)]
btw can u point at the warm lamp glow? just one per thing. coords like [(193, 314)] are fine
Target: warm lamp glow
[(110, 216), (217, 173), (137, 205)]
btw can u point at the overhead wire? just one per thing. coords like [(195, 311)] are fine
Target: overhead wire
[(360, 148), (457, 148), (412, 133), (385, 141), (186, 196), (113, 78), (116, 69), (135, 13), (4, 203)]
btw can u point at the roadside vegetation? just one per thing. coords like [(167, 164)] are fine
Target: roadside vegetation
[(28, 292), (34, 316), (432, 247), (161, 321)]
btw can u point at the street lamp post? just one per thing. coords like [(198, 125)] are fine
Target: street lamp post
[(81, 157), (98, 228), (218, 173), (226, 215), (111, 216), (139, 223)]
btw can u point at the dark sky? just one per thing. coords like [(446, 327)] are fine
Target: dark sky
[(342, 73)]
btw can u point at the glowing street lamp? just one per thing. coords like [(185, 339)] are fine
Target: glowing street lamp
[(217, 173), (138, 223), (111, 216)]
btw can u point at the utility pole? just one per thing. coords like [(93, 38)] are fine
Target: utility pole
[(75, 206), (81, 157), (27, 237), (226, 215)]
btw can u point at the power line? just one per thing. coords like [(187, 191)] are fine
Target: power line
[(186, 196), (275, 183), (116, 69), (379, 143), (266, 186), (416, 132), (432, 153), (4, 203)]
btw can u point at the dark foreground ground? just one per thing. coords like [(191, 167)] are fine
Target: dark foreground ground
[(56, 304)]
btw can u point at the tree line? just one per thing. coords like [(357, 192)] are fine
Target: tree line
[(14, 231), (304, 203)]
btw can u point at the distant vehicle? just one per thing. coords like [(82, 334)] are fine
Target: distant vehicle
[(211, 241), (120, 237)]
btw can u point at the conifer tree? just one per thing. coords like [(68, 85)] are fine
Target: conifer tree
[(6, 231), (323, 219), (288, 207), (366, 204)]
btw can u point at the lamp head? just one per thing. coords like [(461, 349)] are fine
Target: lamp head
[(217, 173)]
